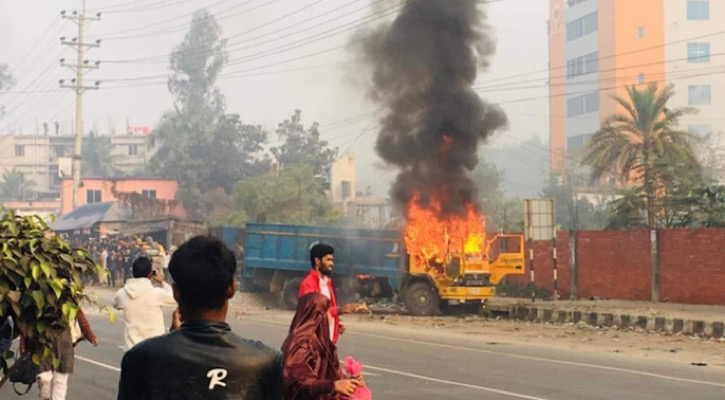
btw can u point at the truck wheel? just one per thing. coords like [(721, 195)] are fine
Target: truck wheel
[(420, 299), (291, 292)]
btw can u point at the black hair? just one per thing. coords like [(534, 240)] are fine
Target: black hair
[(320, 250), (141, 267), (202, 270)]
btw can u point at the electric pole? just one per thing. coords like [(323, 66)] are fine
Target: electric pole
[(81, 65)]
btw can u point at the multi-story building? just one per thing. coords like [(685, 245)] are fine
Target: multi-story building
[(131, 152), (45, 160), (37, 158), (597, 48)]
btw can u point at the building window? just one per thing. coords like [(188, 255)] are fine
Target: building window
[(132, 149), (640, 79), (150, 193), (582, 26), (578, 141), (54, 175), (699, 95), (640, 33), (698, 10), (19, 150), (583, 65), (700, 130), (698, 52), (585, 104), (93, 196)]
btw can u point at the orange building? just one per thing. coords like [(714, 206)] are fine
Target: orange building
[(597, 48), (98, 190)]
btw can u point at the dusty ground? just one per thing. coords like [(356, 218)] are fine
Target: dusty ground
[(626, 342)]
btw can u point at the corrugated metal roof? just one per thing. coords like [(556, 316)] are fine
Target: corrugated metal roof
[(84, 217)]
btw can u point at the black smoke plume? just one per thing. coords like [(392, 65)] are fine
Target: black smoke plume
[(424, 64)]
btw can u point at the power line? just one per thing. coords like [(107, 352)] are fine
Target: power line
[(147, 7), (164, 57), (600, 80), (185, 26), (600, 89), (286, 47), (504, 85), (516, 76)]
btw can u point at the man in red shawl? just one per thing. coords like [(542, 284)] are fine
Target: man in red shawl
[(319, 280)]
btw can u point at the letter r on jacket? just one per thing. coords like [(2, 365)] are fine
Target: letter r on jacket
[(216, 378)]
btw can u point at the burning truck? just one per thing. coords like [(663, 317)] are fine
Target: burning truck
[(432, 264), (422, 69)]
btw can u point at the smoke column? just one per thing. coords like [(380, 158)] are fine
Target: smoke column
[(423, 65)]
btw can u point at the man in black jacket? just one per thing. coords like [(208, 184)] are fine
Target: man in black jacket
[(203, 359)]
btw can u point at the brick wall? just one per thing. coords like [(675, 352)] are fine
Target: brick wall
[(692, 265), (614, 264), (617, 265)]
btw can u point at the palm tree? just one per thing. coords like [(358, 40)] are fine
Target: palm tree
[(632, 144), (97, 158), (14, 186)]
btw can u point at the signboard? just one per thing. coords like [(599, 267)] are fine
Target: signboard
[(539, 219), (138, 130)]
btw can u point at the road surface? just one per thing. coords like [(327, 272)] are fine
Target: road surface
[(414, 363)]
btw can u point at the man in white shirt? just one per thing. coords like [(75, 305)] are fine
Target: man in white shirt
[(142, 303)]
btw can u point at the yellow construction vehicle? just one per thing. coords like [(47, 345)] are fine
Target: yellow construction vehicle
[(460, 277)]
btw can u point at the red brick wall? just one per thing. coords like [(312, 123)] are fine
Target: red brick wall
[(614, 264), (692, 265), (617, 265), (544, 266)]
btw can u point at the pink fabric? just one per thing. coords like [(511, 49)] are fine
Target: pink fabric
[(354, 368)]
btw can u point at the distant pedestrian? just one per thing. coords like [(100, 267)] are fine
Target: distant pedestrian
[(311, 365), (143, 304), (203, 359)]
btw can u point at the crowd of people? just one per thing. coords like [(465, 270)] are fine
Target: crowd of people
[(117, 254), (200, 357)]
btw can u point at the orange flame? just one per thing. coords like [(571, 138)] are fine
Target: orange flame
[(428, 238)]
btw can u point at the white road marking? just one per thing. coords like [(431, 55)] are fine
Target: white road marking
[(100, 364), (522, 357), (453, 383), (391, 371)]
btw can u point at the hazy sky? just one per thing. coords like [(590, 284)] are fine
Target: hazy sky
[(281, 60)]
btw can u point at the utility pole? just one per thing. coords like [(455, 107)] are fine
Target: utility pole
[(81, 65)]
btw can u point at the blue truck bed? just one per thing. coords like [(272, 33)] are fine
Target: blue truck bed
[(374, 252)]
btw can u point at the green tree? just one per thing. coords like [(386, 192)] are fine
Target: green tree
[(41, 281), (6, 78), (14, 186), (201, 146), (97, 158), (709, 206), (303, 146), (626, 211), (573, 211), (629, 144), (295, 196)]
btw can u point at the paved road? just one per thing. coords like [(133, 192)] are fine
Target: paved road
[(417, 364)]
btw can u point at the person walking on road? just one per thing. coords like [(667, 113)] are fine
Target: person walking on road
[(202, 359), (52, 380), (311, 365), (319, 280), (143, 304)]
